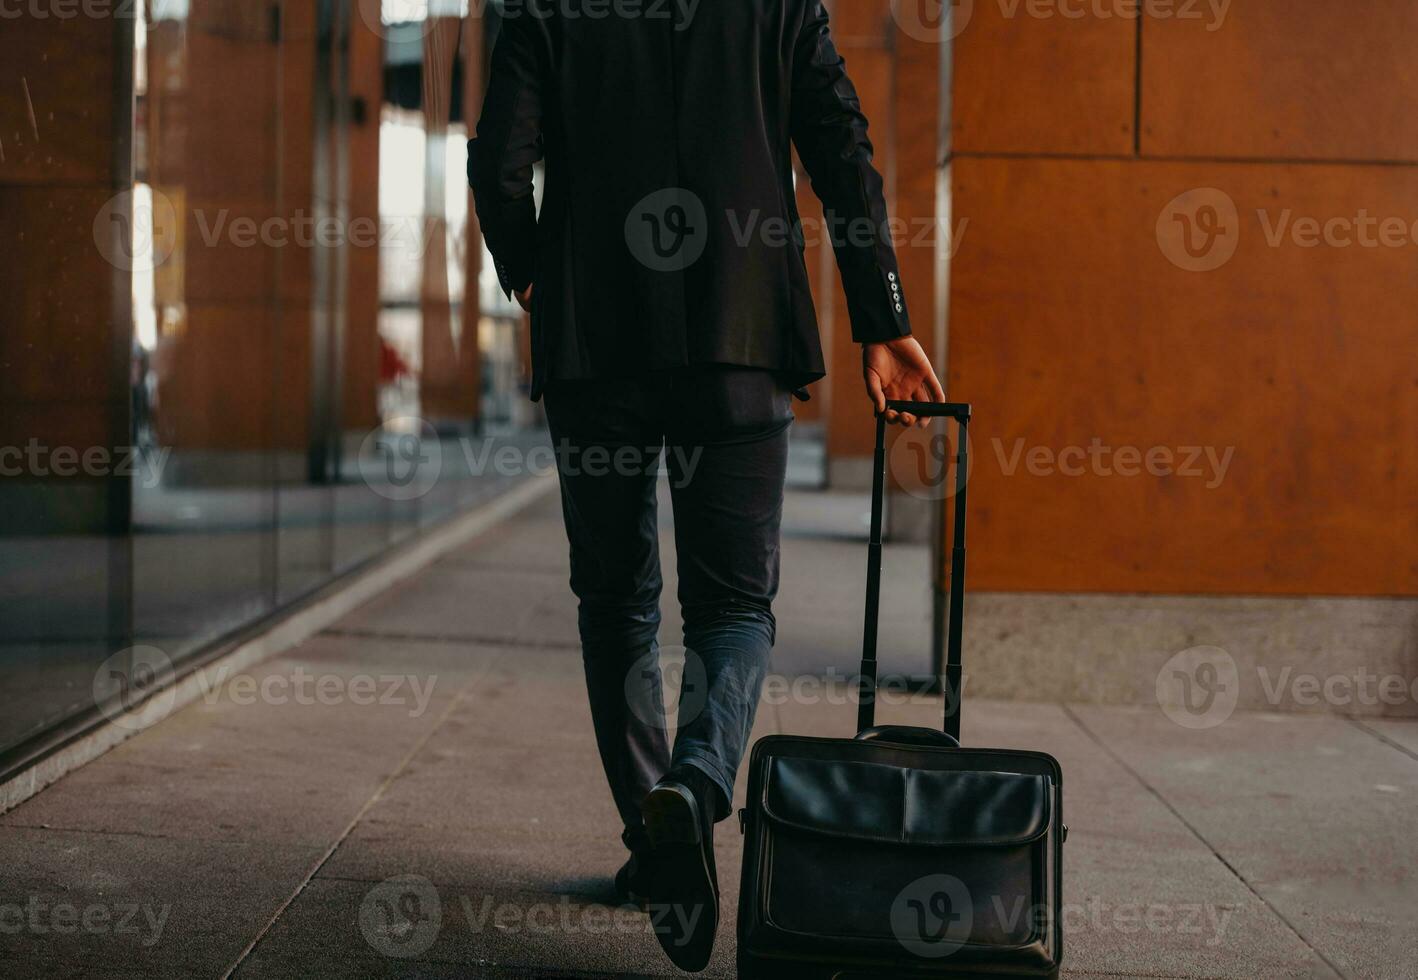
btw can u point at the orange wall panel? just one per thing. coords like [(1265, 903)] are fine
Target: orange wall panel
[(857, 24), (1026, 83), (1290, 79), (56, 99), (57, 158), (55, 308), (1076, 324)]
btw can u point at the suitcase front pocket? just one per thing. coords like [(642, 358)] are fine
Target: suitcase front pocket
[(929, 861)]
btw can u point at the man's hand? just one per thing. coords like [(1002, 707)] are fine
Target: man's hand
[(524, 298), (898, 370)]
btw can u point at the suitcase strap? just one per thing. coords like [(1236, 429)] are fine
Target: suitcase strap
[(954, 675)]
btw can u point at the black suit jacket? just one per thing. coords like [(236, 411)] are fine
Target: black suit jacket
[(668, 232)]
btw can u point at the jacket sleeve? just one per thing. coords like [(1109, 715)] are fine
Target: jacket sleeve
[(509, 143), (830, 132)]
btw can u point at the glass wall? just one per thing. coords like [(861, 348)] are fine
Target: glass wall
[(247, 341)]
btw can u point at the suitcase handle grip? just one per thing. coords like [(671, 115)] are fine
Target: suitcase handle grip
[(932, 410), (954, 673)]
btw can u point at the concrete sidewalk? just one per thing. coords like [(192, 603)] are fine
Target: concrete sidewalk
[(448, 748)]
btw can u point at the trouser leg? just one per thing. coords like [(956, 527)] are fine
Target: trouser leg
[(607, 466), (727, 456)]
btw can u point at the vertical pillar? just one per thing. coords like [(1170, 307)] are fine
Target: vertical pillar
[(361, 362), (442, 390)]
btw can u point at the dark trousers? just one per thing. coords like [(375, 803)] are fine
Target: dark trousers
[(722, 435)]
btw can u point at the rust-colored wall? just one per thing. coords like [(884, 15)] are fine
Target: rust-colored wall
[(1078, 317), (57, 134), (1042, 84), (1284, 79)]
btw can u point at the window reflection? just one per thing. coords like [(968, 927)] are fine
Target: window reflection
[(283, 308)]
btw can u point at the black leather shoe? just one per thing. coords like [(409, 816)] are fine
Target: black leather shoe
[(684, 897)]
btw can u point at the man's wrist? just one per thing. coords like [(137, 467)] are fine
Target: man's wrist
[(888, 341)]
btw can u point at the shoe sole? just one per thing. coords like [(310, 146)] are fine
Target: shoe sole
[(685, 907)]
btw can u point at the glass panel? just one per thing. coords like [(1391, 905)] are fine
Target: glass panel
[(68, 235), (430, 390), (208, 97), (314, 267), (247, 342), (362, 518)]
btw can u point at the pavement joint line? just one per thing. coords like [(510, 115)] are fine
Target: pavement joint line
[(468, 639), (1195, 832), (1380, 736), (374, 798)]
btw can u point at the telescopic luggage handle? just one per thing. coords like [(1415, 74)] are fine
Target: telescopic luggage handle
[(959, 411), (866, 711)]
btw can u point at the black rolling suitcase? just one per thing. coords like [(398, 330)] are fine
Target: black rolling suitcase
[(899, 853)]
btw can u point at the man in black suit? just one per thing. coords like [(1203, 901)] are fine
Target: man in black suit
[(671, 308)]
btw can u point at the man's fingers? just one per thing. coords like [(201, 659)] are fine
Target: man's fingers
[(874, 392), (937, 390), (917, 395), (923, 395)]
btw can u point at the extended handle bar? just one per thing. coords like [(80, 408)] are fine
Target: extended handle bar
[(960, 411)]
